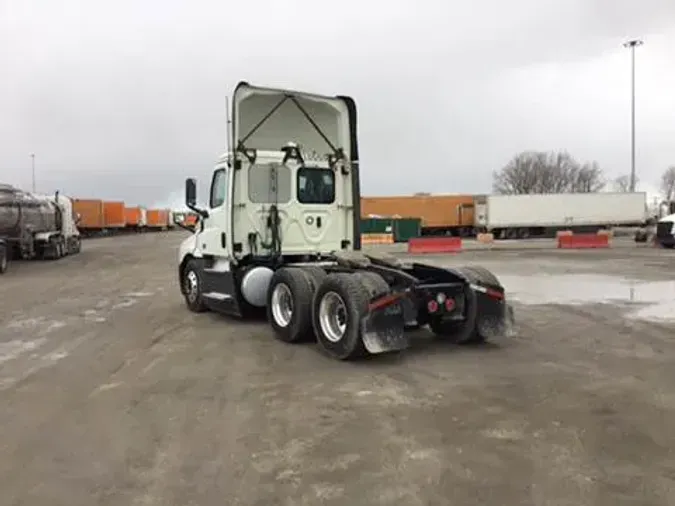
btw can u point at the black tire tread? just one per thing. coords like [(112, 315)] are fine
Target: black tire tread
[(4, 259), (460, 333), (300, 327), (348, 286)]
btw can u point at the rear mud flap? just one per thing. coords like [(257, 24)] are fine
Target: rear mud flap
[(382, 330), (490, 326)]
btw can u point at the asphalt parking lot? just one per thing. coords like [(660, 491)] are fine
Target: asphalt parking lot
[(113, 393)]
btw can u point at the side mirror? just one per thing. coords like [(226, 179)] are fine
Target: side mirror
[(191, 197), (191, 192)]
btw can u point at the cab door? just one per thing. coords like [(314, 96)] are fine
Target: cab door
[(213, 237)]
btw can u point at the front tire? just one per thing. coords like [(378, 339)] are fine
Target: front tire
[(338, 307), (191, 285), (289, 305)]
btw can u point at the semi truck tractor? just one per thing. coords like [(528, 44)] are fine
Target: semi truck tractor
[(37, 226), (281, 238), (665, 231)]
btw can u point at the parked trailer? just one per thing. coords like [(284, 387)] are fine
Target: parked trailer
[(157, 219), (91, 220), (523, 216), (440, 214), (132, 218), (114, 216), (282, 237)]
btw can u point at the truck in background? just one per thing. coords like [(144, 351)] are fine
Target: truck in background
[(542, 215), (665, 231), (37, 226), (4, 256)]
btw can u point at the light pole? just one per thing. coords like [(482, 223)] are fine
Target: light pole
[(32, 166), (632, 44)]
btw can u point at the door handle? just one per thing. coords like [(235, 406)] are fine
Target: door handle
[(318, 222), (223, 239)]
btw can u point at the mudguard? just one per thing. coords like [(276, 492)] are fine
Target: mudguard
[(494, 316), (383, 328)]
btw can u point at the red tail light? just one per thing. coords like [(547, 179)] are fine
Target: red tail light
[(432, 306), (449, 304)]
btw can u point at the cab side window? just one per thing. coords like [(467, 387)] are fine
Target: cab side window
[(218, 188)]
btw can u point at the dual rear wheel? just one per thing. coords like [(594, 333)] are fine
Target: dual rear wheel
[(307, 303)]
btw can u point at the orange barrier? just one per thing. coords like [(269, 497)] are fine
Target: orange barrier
[(377, 239), (583, 241), (485, 238), (435, 245)]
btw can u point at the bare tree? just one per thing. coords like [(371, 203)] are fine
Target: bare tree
[(622, 183), (542, 172), (668, 184)]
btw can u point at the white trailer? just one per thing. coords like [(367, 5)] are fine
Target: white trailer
[(522, 216)]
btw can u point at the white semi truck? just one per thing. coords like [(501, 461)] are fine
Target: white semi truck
[(281, 237), (523, 216)]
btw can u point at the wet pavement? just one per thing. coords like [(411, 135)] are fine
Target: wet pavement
[(640, 299)]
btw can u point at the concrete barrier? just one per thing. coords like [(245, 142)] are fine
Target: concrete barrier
[(485, 238), (583, 241), (435, 245)]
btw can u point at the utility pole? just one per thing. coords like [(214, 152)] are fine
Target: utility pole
[(32, 164), (632, 44)]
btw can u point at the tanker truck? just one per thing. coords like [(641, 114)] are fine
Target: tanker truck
[(37, 226)]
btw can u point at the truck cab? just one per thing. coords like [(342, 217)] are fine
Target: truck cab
[(285, 193), (665, 231)]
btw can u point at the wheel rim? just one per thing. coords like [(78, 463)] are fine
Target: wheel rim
[(282, 305), (333, 317), (191, 286)]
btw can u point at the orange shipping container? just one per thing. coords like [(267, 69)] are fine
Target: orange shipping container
[(91, 214), (158, 218), (435, 211), (190, 220), (132, 216), (113, 214)]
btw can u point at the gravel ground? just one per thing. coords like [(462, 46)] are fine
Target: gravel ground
[(114, 394)]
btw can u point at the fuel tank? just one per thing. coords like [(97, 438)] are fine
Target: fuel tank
[(20, 211)]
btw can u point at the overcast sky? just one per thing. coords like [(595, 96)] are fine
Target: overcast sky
[(124, 99)]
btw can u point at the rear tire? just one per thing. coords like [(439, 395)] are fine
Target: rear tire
[(4, 259), (338, 307), (482, 274), (464, 332), (191, 286), (289, 305), (316, 275)]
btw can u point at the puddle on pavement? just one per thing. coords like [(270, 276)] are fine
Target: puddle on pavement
[(654, 300)]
